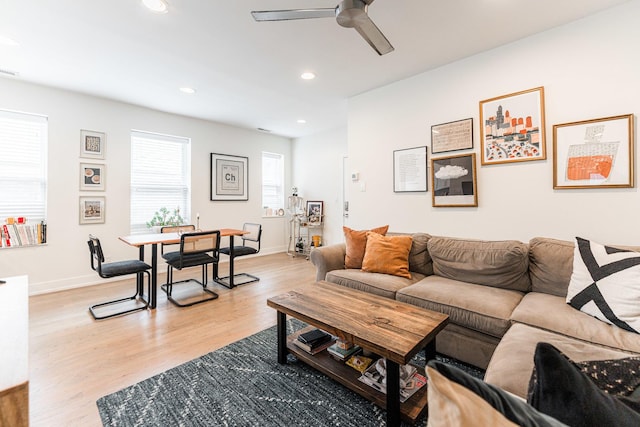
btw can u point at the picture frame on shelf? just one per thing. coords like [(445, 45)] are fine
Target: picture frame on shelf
[(92, 210), (92, 176), (92, 144), (596, 153), (452, 136), (229, 177), (512, 127), (454, 181), (315, 211), (410, 170)]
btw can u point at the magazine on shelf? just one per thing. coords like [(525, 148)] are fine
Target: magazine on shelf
[(408, 387)]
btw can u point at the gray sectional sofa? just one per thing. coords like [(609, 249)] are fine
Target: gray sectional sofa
[(502, 298)]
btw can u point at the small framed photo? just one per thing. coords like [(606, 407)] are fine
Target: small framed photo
[(92, 176), (229, 177), (92, 144), (594, 153), (454, 181), (452, 136), (410, 170), (512, 127), (315, 211), (92, 210)]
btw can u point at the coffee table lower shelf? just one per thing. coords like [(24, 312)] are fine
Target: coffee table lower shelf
[(410, 411)]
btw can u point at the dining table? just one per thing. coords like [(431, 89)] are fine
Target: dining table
[(154, 239)]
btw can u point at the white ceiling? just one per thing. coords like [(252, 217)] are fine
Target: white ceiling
[(246, 73)]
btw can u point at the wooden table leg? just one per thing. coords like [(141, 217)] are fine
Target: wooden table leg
[(393, 393), (282, 338)]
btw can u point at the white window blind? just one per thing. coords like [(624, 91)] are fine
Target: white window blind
[(272, 182), (160, 177), (23, 166)]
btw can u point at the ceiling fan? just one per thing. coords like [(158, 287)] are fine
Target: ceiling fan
[(349, 14)]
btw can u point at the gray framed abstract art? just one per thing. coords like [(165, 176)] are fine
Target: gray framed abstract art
[(229, 177)]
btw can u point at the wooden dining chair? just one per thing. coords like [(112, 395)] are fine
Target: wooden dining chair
[(116, 269), (198, 248)]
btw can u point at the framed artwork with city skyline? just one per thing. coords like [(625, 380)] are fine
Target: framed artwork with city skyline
[(512, 127)]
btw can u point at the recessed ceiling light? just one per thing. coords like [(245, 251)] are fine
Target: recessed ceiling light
[(308, 75), (8, 41), (302, 121), (157, 6), (188, 90)]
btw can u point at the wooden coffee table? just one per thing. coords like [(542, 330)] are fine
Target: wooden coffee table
[(388, 328)]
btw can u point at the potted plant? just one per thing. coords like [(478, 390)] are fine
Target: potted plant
[(164, 217)]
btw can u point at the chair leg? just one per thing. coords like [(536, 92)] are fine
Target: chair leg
[(167, 287), (238, 278), (137, 297)]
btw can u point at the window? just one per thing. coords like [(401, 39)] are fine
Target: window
[(272, 183), (23, 166), (160, 177)]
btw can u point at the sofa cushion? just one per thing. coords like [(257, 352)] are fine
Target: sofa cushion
[(458, 399), (605, 283), (511, 365), (562, 391), (356, 241), (477, 307), (376, 283), (554, 314), (387, 254), (501, 264), (419, 258), (550, 265)]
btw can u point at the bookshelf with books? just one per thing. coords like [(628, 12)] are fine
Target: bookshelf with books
[(20, 233)]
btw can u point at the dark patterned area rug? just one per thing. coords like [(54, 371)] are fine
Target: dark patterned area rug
[(243, 385)]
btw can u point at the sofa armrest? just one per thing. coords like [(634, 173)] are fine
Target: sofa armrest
[(328, 258)]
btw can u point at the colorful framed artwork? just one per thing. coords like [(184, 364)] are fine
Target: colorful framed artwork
[(92, 176), (596, 153), (92, 144), (452, 136), (454, 181), (92, 210), (229, 177), (315, 211), (410, 170), (512, 127)]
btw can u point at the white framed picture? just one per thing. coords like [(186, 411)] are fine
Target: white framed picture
[(92, 176), (92, 210), (92, 144)]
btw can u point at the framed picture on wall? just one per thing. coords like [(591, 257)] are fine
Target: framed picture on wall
[(454, 181), (92, 210), (92, 144), (594, 153), (452, 136), (229, 177), (410, 170), (512, 127), (92, 176)]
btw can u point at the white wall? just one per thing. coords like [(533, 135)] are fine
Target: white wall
[(589, 69), (317, 172), (64, 262)]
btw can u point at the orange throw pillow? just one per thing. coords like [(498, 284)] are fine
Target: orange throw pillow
[(356, 242), (387, 254)]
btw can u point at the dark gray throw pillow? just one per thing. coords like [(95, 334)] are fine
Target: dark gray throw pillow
[(514, 409), (566, 394)]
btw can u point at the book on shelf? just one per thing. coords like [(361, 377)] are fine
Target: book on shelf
[(316, 348), (313, 335), (23, 234), (408, 386), (342, 354)]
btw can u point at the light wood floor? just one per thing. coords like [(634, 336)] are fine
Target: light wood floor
[(74, 360)]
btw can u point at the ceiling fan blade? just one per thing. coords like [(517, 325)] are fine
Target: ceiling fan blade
[(286, 15), (368, 30)]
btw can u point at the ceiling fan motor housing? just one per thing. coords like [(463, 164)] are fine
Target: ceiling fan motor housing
[(349, 12)]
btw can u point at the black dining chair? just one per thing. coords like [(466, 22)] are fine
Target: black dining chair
[(165, 247), (116, 269), (198, 248), (250, 246)]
